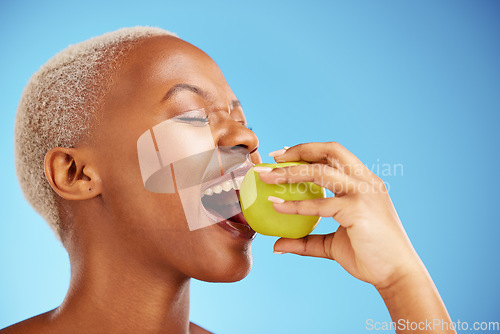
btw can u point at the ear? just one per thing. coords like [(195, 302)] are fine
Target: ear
[(70, 175)]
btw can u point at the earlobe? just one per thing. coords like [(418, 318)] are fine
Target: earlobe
[(70, 175)]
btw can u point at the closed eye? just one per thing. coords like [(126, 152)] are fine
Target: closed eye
[(196, 120), (196, 117)]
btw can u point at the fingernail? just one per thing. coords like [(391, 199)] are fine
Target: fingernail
[(278, 252), (260, 169), (276, 200), (286, 147), (277, 153)]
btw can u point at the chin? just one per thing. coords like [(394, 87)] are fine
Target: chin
[(226, 268)]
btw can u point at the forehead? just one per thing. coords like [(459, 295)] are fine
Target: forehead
[(149, 71), (167, 60), (155, 65)]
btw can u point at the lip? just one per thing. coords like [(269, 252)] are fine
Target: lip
[(237, 230)]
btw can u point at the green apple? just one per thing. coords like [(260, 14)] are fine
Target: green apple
[(259, 211)]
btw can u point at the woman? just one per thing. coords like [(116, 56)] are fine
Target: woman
[(133, 250)]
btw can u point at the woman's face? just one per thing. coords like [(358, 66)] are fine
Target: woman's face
[(171, 92)]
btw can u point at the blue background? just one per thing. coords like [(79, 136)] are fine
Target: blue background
[(415, 83)]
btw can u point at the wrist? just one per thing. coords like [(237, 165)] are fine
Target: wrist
[(410, 277), (413, 297)]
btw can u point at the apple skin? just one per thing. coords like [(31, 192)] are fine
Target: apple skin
[(259, 211)]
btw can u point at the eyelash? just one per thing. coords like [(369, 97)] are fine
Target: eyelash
[(194, 121), (203, 120), (191, 119)]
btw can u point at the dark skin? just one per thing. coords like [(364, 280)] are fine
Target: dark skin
[(131, 252)]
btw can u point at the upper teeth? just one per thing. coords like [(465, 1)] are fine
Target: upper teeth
[(226, 186)]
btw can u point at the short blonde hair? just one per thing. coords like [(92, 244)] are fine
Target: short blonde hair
[(59, 104)]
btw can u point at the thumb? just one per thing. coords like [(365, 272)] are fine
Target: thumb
[(316, 245)]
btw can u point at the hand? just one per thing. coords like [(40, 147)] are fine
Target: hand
[(370, 242)]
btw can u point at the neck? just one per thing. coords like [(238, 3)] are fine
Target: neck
[(114, 292)]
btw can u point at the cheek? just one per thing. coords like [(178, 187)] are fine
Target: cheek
[(175, 142), (155, 223), (124, 194)]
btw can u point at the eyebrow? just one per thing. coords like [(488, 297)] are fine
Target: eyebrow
[(197, 90), (183, 86)]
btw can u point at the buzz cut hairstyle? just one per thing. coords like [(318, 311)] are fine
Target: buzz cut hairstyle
[(60, 104)]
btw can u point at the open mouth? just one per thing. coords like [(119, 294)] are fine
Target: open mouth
[(221, 202)]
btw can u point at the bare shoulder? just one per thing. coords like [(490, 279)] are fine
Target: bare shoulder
[(36, 324), (195, 329), (40, 325)]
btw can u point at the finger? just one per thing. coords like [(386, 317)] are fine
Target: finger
[(320, 207), (331, 153), (323, 175), (312, 245)]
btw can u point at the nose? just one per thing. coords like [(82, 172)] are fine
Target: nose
[(232, 136)]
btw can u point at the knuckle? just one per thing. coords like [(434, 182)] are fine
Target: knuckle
[(337, 215), (377, 184), (300, 146), (318, 170), (296, 206), (334, 145), (358, 169), (377, 179), (381, 187), (305, 244), (327, 247)]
